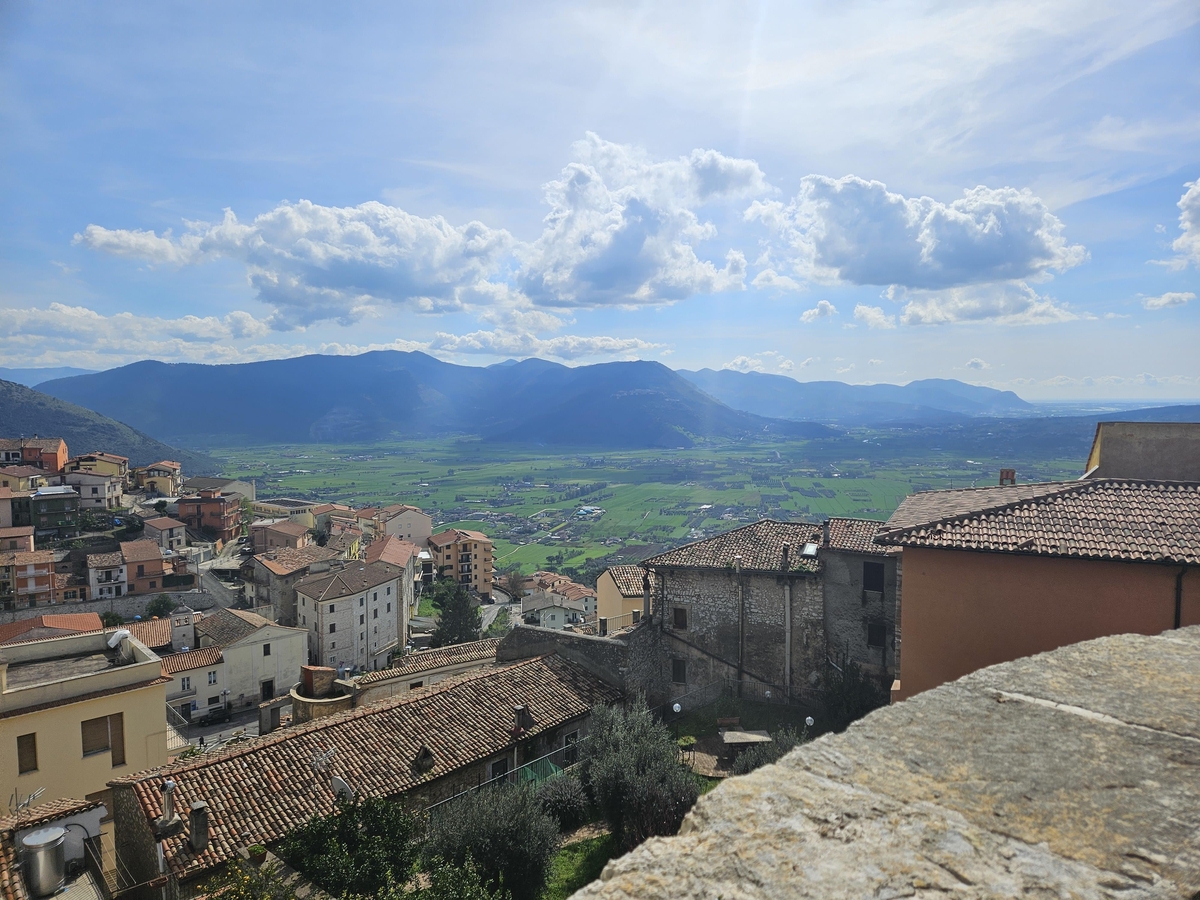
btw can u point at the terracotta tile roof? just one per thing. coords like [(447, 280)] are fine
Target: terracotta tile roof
[(428, 660), (11, 885), (353, 579), (397, 508), (164, 522), (295, 529), (573, 591), (1133, 521), (457, 536), (22, 471), (855, 535), (268, 786), (63, 623), (328, 508), (393, 550), (760, 545), (539, 601), (367, 512), (152, 632), (224, 626), (26, 557), (287, 560), (628, 580), (164, 464), (40, 443), (193, 659), (140, 551), (930, 506), (105, 560), (100, 454)]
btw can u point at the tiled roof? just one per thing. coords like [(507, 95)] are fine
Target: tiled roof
[(164, 464), (153, 632), (573, 591), (1133, 521), (855, 535), (140, 551), (427, 660), (266, 787), (457, 536), (286, 560), (15, 530), (295, 529), (105, 560), (760, 545), (397, 508), (193, 659), (628, 580), (33, 628), (47, 812), (22, 471), (26, 557), (224, 626), (164, 522), (392, 550), (11, 885), (352, 579), (538, 601), (100, 454), (930, 506), (40, 443)]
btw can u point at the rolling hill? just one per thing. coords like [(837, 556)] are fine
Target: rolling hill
[(34, 377), (26, 412), (394, 394)]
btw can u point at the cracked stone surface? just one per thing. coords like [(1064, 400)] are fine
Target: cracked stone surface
[(1074, 773)]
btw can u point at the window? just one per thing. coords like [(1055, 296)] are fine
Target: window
[(362, 620), (185, 683), (266, 649), (214, 701), (141, 571), (876, 635), (375, 597), (304, 621), (375, 614), (333, 646), (26, 753), (105, 733), (389, 591), (416, 684), (873, 576), (362, 636), (332, 627), (679, 671), (153, 584), (331, 607), (95, 490), (303, 601), (681, 618), (389, 607), (500, 768), (212, 677)]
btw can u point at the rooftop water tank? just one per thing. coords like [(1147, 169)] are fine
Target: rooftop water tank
[(45, 860)]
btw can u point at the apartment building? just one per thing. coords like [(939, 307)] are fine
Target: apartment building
[(49, 454), (78, 711), (27, 579), (406, 522), (164, 478), (138, 567), (274, 574), (99, 463), (355, 616), (97, 490), (16, 537), (216, 514), (465, 556), (106, 575), (273, 534), (168, 533), (22, 477), (55, 511)]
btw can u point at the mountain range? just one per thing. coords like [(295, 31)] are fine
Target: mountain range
[(34, 377), (25, 412)]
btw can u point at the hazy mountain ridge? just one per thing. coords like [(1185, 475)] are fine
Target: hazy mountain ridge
[(34, 377), (25, 412)]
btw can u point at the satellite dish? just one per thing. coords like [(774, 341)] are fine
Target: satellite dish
[(341, 790)]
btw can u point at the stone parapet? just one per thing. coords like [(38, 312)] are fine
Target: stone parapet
[(1071, 773)]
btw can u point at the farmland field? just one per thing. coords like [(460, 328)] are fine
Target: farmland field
[(563, 509)]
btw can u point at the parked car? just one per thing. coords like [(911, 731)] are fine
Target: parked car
[(215, 716)]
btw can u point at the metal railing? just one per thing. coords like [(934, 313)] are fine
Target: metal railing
[(178, 729)]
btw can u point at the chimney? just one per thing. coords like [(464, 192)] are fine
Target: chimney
[(825, 533), (168, 791), (198, 827), (646, 593), (603, 626), (1008, 476), (786, 549), (3, 675)]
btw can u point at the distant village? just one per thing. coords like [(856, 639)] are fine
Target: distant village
[(190, 672)]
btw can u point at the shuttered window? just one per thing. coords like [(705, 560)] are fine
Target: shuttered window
[(105, 733), (26, 753)]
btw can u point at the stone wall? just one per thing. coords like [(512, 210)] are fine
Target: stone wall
[(849, 610), (127, 607), (605, 657), (1072, 773)]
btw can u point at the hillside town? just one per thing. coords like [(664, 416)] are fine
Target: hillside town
[(192, 675)]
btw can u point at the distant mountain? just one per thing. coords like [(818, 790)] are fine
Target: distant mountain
[(25, 412), (389, 393), (928, 402), (34, 377)]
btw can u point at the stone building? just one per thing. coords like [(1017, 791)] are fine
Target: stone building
[(420, 748), (273, 576), (860, 585)]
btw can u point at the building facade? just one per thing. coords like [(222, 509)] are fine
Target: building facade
[(273, 576), (465, 556), (163, 478), (97, 491), (354, 616), (27, 579), (213, 513), (170, 534), (99, 463), (49, 454), (55, 511)]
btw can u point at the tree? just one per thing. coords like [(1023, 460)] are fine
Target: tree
[(160, 606), (634, 775), (362, 847), (782, 743), (460, 618), (503, 828), (109, 619), (241, 881), (850, 694), (161, 507)]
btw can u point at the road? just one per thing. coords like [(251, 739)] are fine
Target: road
[(490, 612)]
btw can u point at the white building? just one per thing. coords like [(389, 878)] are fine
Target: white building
[(354, 615), (168, 533), (406, 522), (550, 610), (106, 575), (97, 491)]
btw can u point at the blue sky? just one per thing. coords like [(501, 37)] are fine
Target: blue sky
[(1001, 192)]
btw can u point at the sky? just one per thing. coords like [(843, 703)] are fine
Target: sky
[(1007, 193)]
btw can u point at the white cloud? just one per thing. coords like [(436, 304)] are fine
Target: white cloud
[(567, 346), (857, 231), (622, 229), (1187, 245), (786, 366), (845, 369), (978, 364), (769, 279), (808, 362), (1167, 300), (1014, 303), (823, 310), (874, 362), (744, 364), (873, 317)]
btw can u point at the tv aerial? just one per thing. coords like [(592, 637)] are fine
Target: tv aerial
[(16, 805)]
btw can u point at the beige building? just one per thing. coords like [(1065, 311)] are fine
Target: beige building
[(465, 556), (620, 590), (97, 490), (407, 522), (259, 660), (423, 668), (168, 533), (274, 575), (76, 712), (354, 616)]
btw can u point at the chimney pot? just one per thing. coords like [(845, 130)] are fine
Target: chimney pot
[(825, 533), (198, 826)]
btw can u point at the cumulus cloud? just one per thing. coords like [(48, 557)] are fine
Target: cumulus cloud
[(622, 229), (1015, 303), (977, 364), (823, 310), (857, 231), (744, 364), (766, 361), (567, 346), (769, 279), (1167, 300), (312, 262), (873, 317), (874, 362), (1187, 245)]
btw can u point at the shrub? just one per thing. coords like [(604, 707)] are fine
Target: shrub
[(160, 606), (634, 775), (241, 881), (504, 830), (564, 800), (109, 619), (360, 848), (849, 695), (782, 742)]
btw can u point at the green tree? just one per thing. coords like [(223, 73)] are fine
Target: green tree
[(460, 618), (241, 881), (109, 619), (500, 625), (160, 606), (503, 828), (782, 742), (849, 694), (362, 847), (633, 773), (161, 507)]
